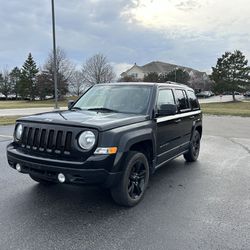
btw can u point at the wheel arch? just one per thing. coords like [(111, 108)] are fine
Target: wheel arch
[(140, 140), (145, 147), (199, 129)]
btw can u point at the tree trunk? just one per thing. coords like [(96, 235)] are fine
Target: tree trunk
[(234, 97)]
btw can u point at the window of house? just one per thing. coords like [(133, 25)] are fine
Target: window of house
[(135, 75)]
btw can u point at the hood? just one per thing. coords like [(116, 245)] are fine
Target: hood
[(91, 119)]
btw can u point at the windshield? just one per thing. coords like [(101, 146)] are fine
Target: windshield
[(110, 98)]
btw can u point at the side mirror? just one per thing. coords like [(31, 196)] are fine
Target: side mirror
[(167, 109), (70, 103)]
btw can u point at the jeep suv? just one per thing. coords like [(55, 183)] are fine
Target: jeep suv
[(115, 136)]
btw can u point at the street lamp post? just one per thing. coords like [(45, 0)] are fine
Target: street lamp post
[(54, 53), (175, 74)]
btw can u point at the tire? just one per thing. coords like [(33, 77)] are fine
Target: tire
[(131, 188), (41, 181), (194, 148)]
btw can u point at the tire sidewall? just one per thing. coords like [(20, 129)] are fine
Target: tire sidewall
[(132, 158), (195, 156)]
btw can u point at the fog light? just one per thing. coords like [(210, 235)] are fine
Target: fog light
[(61, 178), (18, 167)]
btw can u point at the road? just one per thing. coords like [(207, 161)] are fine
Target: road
[(223, 98), (26, 111), (204, 205)]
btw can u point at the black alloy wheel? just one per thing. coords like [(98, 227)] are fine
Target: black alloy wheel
[(196, 145), (194, 148), (137, 179), (131, 188)]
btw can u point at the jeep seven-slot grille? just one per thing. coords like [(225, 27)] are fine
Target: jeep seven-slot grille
[(47, 140)]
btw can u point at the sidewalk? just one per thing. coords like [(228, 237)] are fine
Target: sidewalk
[(26, 111)]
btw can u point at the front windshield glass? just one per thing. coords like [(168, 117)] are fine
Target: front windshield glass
[(110, 98)]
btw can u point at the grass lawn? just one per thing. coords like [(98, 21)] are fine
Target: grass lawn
[(227, 108), (30, 104), (7, 120)]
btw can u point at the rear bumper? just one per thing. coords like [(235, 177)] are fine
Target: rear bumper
[(91, 171)]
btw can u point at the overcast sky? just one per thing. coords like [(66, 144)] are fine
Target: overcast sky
[(185, 32)]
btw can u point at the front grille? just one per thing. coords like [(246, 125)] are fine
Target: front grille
[(48, 140)]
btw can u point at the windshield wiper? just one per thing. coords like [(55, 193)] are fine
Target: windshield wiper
[(75, 108), (103, 109)]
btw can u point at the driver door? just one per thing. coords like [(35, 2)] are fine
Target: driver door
[(167, 129)]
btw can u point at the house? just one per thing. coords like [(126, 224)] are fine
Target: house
[(198, 79)]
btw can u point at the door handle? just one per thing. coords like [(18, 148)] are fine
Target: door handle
[(191, 117), (177, 121)]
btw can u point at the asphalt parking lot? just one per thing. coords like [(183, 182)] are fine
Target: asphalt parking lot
[(204, 205)]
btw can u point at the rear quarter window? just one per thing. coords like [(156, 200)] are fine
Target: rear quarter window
[(193, 100), (182, 99)]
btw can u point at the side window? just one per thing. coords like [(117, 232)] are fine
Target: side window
[(165, 96), (193, 100), (182, 99)]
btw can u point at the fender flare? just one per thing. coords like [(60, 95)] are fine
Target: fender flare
[(133, 137)]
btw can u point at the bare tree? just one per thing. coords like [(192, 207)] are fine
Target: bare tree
[(65, 69), (5, 83), (98, 70), (77, 84)]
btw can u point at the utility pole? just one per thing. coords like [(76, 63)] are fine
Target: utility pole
[(54, 53)]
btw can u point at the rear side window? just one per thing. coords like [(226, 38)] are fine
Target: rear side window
[(193, 100), (165, 96), (182, 99)]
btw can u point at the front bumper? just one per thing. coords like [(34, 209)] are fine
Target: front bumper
[(92, 171)]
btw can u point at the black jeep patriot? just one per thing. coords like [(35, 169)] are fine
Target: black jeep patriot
[(115, 135)]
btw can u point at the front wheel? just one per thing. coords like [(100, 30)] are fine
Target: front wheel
[(194, 148), (134, 181)]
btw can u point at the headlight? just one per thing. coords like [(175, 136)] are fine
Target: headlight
[(19, 131), (86, 140)]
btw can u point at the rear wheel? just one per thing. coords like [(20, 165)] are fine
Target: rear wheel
[(194, 148), (42, 181), (133, 184)]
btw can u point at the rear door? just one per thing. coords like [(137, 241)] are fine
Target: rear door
[(186, 117)]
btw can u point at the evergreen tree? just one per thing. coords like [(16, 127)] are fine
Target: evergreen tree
[(151, 77), (230, 72), (178, 75), (15, 78), (128, 79), (28, 78), (44, 85)]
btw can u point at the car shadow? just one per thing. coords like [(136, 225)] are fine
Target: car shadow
[(85, 205)]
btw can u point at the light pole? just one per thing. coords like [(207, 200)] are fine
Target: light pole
[(175, 73), (54, 53)]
